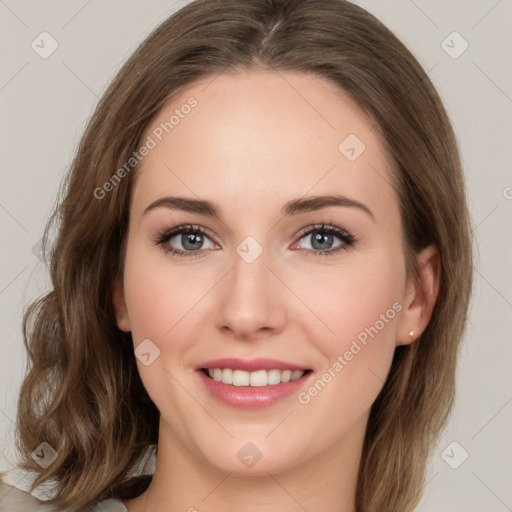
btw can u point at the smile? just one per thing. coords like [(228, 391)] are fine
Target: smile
[(259, 378), (252, 384)]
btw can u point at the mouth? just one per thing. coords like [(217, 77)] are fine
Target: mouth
[(252, 384), (258, 378)]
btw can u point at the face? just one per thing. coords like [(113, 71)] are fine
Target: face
[(278, 285)]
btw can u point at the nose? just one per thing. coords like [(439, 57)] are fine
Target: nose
[(252, 299)]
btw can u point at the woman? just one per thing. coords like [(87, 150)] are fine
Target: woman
[(187, 314)]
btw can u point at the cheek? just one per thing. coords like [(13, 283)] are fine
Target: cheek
[(360, 309), (155, 295), (161, 312), (353, 299)]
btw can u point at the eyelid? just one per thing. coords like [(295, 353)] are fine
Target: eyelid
[(327, 226)]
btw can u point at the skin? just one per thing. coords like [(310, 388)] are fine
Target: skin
[(255, 141)]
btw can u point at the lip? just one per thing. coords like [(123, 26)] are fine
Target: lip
[(251, 365), (251, 397)]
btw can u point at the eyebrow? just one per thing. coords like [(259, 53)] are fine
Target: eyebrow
[(291, 208)]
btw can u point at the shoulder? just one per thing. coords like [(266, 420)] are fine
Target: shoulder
[(15, 496)]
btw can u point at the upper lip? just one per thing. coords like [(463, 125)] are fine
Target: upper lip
[(251, 365)]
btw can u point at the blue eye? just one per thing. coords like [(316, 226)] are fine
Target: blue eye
[(191, 238), (323, 235)]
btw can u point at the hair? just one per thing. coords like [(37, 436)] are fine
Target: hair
[(82, 393)]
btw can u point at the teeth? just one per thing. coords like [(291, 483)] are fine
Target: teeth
[(258, 378)]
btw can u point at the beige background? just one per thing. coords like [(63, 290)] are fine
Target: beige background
[(45, 104)]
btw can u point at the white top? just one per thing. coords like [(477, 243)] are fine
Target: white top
[(16, 496)]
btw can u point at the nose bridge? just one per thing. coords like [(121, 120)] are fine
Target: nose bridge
[(251, 298), (251, 278)]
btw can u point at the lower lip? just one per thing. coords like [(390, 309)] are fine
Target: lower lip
[(251, 397)]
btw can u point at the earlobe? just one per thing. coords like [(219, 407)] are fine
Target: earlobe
[(121, 311), (421, 294)]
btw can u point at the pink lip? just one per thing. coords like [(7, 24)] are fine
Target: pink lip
[(251, 365), (251, 397)]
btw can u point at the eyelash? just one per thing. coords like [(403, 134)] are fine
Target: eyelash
[(164, 236)]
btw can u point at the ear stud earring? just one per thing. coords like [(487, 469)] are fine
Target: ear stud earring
[(411, 334)]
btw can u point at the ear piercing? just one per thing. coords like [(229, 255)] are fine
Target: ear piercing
[(411, 333)]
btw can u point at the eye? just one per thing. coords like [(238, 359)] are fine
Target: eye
[(191, 239), (322, 237)]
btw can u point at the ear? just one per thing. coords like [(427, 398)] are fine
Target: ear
[(420, 296), (122, 318)]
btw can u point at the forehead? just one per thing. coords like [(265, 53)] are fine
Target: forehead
[(264, 137)]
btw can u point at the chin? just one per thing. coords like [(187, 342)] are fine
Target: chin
[(256, 457)]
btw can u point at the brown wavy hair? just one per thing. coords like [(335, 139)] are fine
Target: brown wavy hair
[(82, 393)]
